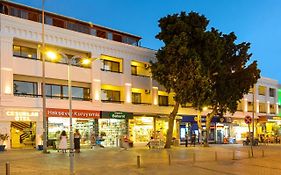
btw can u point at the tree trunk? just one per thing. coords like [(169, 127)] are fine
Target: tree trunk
[(209, 118), (172, 117)]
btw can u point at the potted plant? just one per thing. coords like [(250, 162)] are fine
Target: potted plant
[(3, 137)]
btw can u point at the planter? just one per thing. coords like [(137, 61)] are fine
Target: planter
[(40, 147), (2, 148)]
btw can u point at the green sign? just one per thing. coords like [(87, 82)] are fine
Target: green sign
[(118, 115)]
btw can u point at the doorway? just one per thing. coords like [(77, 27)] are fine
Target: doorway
[(23, 134)]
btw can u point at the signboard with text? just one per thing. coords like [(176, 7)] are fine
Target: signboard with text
[(54, 112), (116, 115)]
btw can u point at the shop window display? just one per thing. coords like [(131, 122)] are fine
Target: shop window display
[(141, 129), (56, 125), (112, 130)]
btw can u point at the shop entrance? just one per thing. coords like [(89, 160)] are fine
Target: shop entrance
[(23, 134), (112, 130)]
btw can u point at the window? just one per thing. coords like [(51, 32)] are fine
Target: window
[(33, 16), (25, 52), (48, 20), (136, 98), (134, 70), (250, 106), (130, 41), (272, 109), (61, 91), (77, 27), (19, 13), (262, 108), (110, 66), (23, 88), (93, 32), (163, 100), (262, 90), (109, 35), (110, 95), (271, 92)]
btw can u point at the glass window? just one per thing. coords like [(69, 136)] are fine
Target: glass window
[(262, 90), (25, 52), (48, 20), (134, 70), (271, 92), (111, 66), (109, 95), (25, 88), (109, 35), (163, 100), (77, 92), (136, 98), (93, 32)]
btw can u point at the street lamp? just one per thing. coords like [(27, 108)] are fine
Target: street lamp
[(84, 61), (44, 82)]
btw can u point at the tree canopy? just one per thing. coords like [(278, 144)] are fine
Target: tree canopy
[(202, 67)]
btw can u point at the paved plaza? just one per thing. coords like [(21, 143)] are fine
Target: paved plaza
[(215, 160)]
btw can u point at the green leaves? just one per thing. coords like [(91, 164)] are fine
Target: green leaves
[(204, 68)]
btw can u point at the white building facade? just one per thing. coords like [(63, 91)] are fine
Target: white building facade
[(114, 96)]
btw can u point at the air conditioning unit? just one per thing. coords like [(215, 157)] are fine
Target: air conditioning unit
[(146, 66), (147, 91)]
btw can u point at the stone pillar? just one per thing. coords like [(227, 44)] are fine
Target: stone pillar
[(96, 78), (154, 95), (6, 62), (128, 93)]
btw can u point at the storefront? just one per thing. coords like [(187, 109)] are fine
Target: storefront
[(240, 130), (142, 128), (113, 126), (219, 129), (22, 127), (83, 120)]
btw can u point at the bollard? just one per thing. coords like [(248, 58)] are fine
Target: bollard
[(8, 171), (194, 157), (233, 155), (138, 161), (216, 156), (249, 154), (262, 153), (169, 159)]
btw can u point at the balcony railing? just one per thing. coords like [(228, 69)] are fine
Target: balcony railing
[(27, 95), (140, 103), (140, 75), (112, 101), (107, 70)]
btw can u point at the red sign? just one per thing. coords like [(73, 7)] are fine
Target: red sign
[(248, 119), (53, 112)]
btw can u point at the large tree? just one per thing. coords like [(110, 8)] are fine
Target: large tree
[(195, 63)]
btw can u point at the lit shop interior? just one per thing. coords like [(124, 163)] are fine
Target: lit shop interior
[(86, 128), (141, 129)]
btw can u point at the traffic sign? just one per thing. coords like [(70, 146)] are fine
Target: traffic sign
[(248, 119)]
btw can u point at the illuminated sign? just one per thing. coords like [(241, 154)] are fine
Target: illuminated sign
[(53, 112), (22, 115)]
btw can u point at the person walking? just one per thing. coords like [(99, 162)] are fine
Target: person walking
[(193, 138), (186, 139), (77, 137), (63, 142)]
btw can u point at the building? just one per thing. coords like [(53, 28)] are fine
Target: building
[(114, 96)]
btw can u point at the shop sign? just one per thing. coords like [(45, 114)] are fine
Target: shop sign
[(117, 115), (22, 115), (53, 112)]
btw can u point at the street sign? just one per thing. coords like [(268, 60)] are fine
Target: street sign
[(248, 119)]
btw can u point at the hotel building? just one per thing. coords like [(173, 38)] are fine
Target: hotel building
[(115, 95)]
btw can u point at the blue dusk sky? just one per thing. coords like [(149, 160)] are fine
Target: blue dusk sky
[(254, 21)]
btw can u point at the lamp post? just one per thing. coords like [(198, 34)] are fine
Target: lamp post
[(71, 137), (44, 82)]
